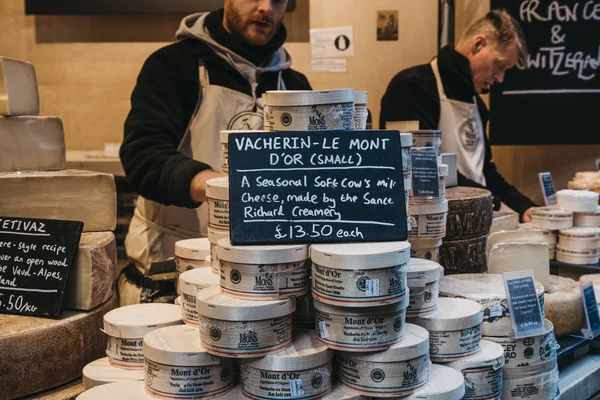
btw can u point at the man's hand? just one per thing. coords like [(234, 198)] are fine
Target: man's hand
[(198, 185), (527, 215)]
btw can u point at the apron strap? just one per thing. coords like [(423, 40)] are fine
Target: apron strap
[(203, 72), (438, 79)]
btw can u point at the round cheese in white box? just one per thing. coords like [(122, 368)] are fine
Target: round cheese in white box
[(360, 274), (589, 218), (178, 366), (130, 390), (444, 383), (535, 382), (190, 283), (428, 221), (191, 254), (264, 272), (217, 194), (454, 329), (577, 257), (551, 219), (423, 281), (482, 372), (530, 350), (580, 238), (224, 139), (310, 110), (101, 372), (487, 290), (127, 326), (401, 370), (577, 200), (300, 371), (360, 329), (213, 237), (427, 249), (239, 328)]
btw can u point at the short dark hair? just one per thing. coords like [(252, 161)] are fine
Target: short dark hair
[(500, 28)]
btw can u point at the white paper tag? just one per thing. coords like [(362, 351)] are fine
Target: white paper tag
[(296, 387), (421, 283), (334, 65), (323, 330), (496, 311), (372, 287)]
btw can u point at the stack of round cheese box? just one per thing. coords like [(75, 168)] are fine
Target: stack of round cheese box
[(524, 368), (427, 214), (572, 227)]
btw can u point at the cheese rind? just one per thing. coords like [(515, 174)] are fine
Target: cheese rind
[(512, 256), (31, 143), (469, 213), (18, 88), (76, 195), (91, 280), (504, 221), (563, 306), (41, 353), (577, 200), (464, 256)]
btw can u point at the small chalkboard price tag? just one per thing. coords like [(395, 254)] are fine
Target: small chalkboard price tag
[(523, 303), (316, 187), (36, 256), (592, 318), (598, 164), (425, 174), (547, 188)]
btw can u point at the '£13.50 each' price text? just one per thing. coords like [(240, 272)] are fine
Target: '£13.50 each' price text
[(314, 231)]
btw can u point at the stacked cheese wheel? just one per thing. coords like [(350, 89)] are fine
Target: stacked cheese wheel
[(427, 212), (35, 184), (527, 361), (467, 227)]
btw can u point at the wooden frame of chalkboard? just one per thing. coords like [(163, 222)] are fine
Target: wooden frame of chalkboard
[(553, 97), (83, 7), (316, 187), (36, 256)]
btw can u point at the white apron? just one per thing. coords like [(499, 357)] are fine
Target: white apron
[(462, 132), (155, 228)]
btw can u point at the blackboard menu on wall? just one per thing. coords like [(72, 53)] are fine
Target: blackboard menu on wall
[(553, 96), (316, 187), (36, 256)]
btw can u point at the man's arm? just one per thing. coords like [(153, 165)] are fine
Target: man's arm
[(159, 116)]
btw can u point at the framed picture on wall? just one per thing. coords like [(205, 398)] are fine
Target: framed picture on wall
[(82, 7)]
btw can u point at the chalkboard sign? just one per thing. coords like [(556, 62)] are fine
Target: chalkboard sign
[(35, 260), (547, 188), (551, 97), (523, 303), (316, 187), (590, 305)]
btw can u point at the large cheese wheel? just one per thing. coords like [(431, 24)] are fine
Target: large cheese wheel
[(18, 88), (463, 256), (563, 306), (504, 221), (91, 280), (40, 353), (76, 195), (31, 143), (470, 212)]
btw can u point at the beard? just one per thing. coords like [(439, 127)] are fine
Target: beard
[(245, 30)]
